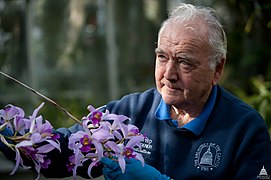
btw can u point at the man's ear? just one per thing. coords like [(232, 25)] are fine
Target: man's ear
[(219, 71)]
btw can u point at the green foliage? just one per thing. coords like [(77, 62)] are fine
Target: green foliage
[(260, 99)]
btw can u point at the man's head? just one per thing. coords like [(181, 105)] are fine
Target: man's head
[(190, 55)]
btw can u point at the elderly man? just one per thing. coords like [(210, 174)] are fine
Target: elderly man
[(195, 128)]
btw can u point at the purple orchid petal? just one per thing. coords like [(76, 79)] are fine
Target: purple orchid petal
[(3, 114), (117, 135), (55, 136), (25, 167), (101, 134), (74, 172), (132, 130), (32, 125), (86, 122), (124, 130), (91, 108), (78, 158), (99, 148), (55, 144), (40, 157), (71, 163), (86, 143), (70, 167), (37, 168), (27, 123), (114, 146), (45, 164), (119, 118), (128, 152), (119, 125), (85, 148), (106, 112), (38, 123), (19, 124), (95, 117), (140, 158), (72, 159), (106, 126), (92, 156), (10, 112), (122, 163), (45, 148), (36, 138), (135, 141), (29, 151), (23, 144), (115, 125), (73, 146), (18, 160), (86, 129), (74, 138), (33, 117), (45, 129), (92, 164)]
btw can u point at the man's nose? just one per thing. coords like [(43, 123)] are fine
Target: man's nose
[(171, 72)]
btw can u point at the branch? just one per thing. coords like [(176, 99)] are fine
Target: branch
[(43, 96)]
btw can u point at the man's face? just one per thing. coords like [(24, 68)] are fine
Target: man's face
[(182, 73)]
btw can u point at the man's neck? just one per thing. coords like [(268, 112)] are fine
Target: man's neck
[(186, 112)]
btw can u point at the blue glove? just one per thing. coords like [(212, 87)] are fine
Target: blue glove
[(134, 170)]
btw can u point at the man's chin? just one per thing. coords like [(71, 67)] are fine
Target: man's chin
[(169, 99)]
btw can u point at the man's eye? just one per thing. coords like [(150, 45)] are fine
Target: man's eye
[(162, 57), (184, 62)]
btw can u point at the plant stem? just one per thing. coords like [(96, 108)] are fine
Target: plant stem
[(43, 96)]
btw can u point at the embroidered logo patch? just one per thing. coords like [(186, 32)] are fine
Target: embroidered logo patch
[(263, 174), (207, 157), (146, 145)]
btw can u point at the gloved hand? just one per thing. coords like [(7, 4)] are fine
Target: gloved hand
[(134, 170)]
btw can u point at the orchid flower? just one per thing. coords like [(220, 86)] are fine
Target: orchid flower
[(121, 151), (102, 134), (6, 115), (80, 142), (34, 138), (10, 112)]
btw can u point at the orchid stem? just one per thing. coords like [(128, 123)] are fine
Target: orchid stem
[(43, 96)]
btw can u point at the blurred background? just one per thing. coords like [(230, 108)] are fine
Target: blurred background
[(81, 52)]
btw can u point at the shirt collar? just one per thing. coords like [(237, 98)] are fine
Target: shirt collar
[(198, 124)]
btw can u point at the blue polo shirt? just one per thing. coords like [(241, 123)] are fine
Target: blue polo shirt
[(197, 125)]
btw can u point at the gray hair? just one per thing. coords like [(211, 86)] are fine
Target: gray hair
[(216, 35)]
